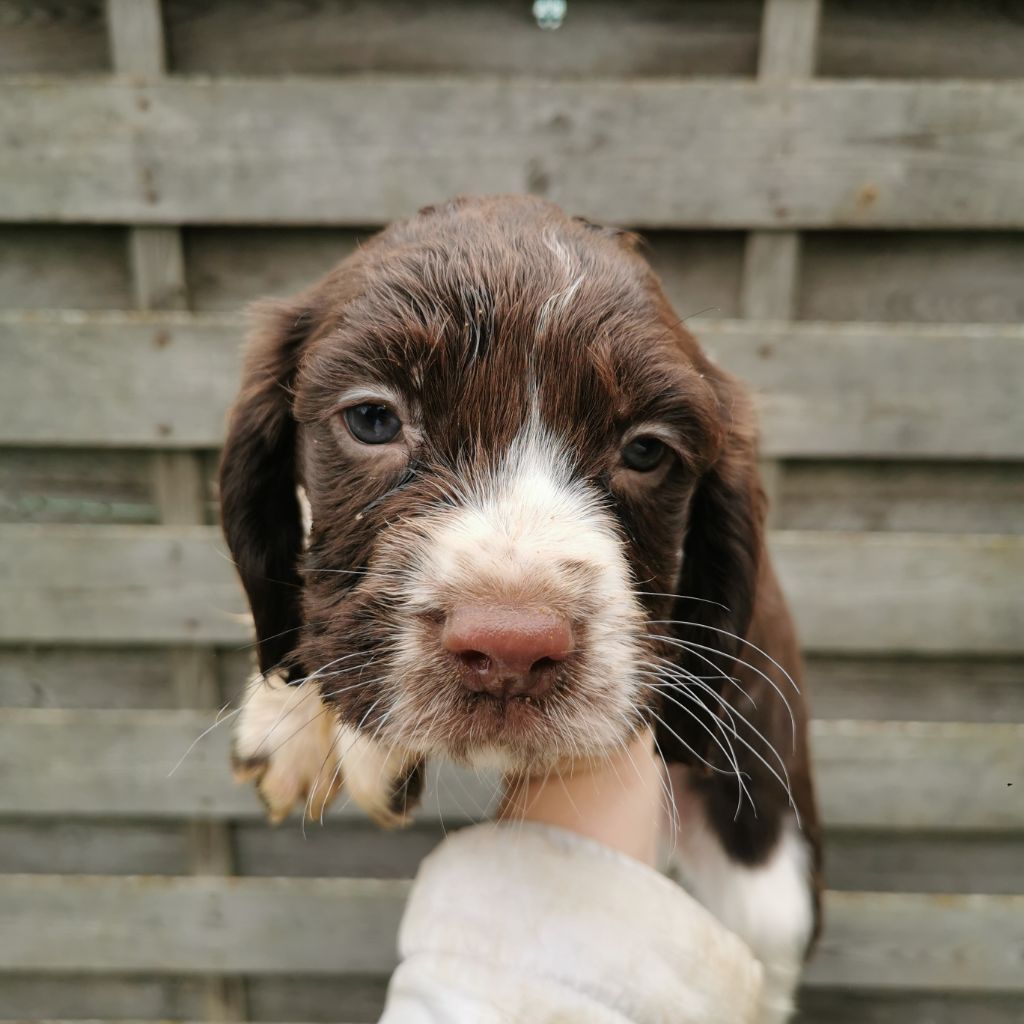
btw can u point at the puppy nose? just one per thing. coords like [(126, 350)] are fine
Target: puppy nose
[(507, 652)]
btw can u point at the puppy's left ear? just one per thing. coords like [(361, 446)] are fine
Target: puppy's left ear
[(260, 510), (722, 561)]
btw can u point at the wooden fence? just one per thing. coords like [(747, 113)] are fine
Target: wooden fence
[(833, 192)]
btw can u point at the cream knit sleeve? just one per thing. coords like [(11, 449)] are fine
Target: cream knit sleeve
[(527, 924)]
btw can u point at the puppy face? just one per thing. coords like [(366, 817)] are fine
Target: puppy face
[(504, 436)]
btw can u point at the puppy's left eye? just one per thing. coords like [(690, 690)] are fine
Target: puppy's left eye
[(371, 423), (643, 454)]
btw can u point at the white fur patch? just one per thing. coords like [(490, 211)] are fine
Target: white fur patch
[(306, 512), (770, 907), (294, 749), (528, 533)]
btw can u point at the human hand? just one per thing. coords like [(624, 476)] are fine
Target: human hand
[(616, 800)]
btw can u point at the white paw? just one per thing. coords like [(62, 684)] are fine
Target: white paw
[(294, 749)]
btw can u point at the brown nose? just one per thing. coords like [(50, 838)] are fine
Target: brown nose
[(507, 652)]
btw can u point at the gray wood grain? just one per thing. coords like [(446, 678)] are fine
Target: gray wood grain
[(924, 593), (45, 485), (919, 39), (932, 497), (203, 925), (902, 941), (165, 380), (928, 277), (158, 584), (871, 411), (976, 689), (55, 36), (644, 37), (904, 775), (55, 266), (861, 38), (260, 926), (89, 677), (843, 1006), (935, 862), (649, 153), (885, 860)]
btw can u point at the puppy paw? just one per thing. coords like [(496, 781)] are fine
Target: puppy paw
[(292, 747), (384, 783), (283, 743)]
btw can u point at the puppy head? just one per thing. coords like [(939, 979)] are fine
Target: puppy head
[(514, 458)]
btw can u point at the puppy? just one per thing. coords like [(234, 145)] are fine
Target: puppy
[(491, 502)]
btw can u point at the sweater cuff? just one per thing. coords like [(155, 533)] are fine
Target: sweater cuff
[(554, 908)]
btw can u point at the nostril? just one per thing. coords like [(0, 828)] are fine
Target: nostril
[(542, 665), (475, 661)]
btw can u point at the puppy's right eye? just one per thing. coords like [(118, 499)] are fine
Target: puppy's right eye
[(372, 423)]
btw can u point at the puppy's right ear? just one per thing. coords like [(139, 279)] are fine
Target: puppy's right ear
[(259, 503)]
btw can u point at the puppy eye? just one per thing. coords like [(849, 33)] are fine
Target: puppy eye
[(371, 423), (643, 454)]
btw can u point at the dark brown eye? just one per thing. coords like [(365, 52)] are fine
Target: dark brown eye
[(371, 423), (643, 454)]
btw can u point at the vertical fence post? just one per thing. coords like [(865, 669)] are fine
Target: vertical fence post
[(158, 277), (771, 260)]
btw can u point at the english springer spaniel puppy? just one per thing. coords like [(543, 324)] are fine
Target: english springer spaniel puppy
[(490, 502)]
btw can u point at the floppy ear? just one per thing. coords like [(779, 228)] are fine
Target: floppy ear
[(260, 510), (722, 559)]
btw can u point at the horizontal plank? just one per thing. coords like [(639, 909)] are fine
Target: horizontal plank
[(166, 380), (165, 925), (906, 593), (881, 860), (935, 862), (898, 775), (647, 37), (644, 152), (935, 497), (965, 689), (261, 926), (142, 764), (115, 996), (879, 390)]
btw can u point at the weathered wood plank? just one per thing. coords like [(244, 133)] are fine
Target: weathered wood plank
[(920, 775), (902, 593), (600, 37), (647, 153), (868, 38), (891, 39), (107, 583), (976, 689), (898, 941), (930, 277), (42, 485), (935, 862), (56, 36), (972, 390), (55, 266), (873, 861), (903, 775), (88, 677), (935, 497), (169, 925), (162, 380), (139, 764), (261, 926), (165, 380)]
